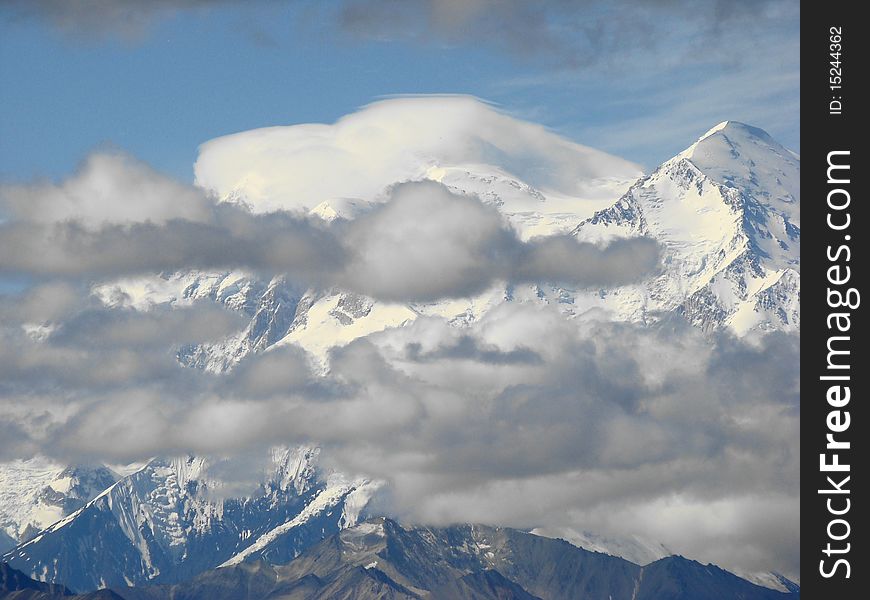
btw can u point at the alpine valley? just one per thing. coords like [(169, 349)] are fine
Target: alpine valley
[(726, 212)]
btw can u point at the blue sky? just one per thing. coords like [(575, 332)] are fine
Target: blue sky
[(637, 81)]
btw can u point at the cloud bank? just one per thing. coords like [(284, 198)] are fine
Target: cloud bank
[(613, 427), (117, 217)]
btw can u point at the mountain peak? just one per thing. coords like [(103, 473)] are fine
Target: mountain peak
[(732, 143), (727, 214), (736, 128), (746, 157)]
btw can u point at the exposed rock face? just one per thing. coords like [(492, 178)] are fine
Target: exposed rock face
[(169, 521), (380, 559)]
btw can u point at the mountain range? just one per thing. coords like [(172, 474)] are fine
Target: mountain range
[(378, 558), (169, 521), (726, 212)]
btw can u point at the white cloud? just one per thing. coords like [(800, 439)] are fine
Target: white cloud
[(400, 139), (109, 188)]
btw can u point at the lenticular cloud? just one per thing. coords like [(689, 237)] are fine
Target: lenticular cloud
[(300, 166)]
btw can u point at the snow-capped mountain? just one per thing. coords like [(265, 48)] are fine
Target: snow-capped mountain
[(727, 212), (531, 211), (37, 492), (172, 519), (278, 312), (271, 305)]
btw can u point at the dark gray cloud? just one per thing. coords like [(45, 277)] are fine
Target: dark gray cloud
[(579, 421), (428, 243), (571, 33), (554, 394), (614, 419), (278, 372), (561, 259), (235, 238), (424, 243), (162, 326), (469, 348), (566, 33), (92, 347), (127, 18)]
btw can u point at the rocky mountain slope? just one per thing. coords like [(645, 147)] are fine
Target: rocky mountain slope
[(381, 559), (170, 521), (38, 492), (15, 585)]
